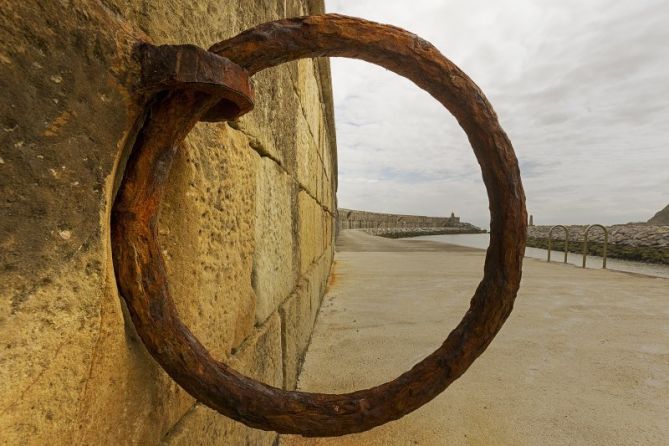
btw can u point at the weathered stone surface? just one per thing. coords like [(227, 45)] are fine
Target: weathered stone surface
[(270, 130), (297, 325), (274, 273), (54, 185), (298, 315), (207, 234), (328, 139), (308, 163), (73, 369), (309, 131), (260, 358), (310, 95), (310, 234), (328, 200), (128, 398), (208, 250), (317, 278)]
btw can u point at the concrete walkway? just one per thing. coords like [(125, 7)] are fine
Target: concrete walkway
[(583, 359)]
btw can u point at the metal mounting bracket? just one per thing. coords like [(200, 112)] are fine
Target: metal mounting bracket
[(172, 67)]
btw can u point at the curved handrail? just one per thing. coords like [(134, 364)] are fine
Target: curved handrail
[(566, 241), (585, 243)]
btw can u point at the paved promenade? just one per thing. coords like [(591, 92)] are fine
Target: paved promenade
[(583, 359)]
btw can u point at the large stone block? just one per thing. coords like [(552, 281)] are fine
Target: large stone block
[(272, 125), (298, 315), (329, 228), (329, 171), (49, 348), (207, 233), (260, 358), (318, 276), (55, 182), (309, 92), (309, 230), (297, 324), (128, 398), (202, 23), (308, 162), (274, 271)]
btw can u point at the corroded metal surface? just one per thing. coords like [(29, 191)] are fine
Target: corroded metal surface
[(170, 67), (140, 269), (566, 241), (585, 243)]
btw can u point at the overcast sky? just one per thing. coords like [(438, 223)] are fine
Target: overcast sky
[(581, 88)]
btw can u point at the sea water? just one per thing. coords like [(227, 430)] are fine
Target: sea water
[(481, 241)]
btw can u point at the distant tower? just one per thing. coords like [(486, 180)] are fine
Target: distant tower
[(531, 220)]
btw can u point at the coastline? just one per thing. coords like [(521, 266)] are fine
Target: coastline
[(629, 246), (417, 232), (637, 242), (644, 254)]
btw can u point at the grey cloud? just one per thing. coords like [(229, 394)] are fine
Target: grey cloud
[(582, 88)]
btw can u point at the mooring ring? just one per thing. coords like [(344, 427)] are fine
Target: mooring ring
[(140, 269)]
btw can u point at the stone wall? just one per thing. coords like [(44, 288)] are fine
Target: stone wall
[(350, 219), (246, 225), (400, 225)]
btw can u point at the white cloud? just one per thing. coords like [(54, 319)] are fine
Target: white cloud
[(582, 89)]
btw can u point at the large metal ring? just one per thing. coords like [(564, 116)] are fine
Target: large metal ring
[(141, 274)]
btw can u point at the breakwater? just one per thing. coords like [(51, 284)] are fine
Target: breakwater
[(640, 242), (401, 225), (416, 232)]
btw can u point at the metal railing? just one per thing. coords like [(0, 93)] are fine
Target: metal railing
[(585, 243), (566, 241)]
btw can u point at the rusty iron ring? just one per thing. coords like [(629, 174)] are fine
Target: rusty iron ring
[(141, 272)]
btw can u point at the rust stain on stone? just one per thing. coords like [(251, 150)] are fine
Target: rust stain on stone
[(332, 279), (57, 124)]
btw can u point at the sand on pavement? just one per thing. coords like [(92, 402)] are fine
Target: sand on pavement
[(582, 360)]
